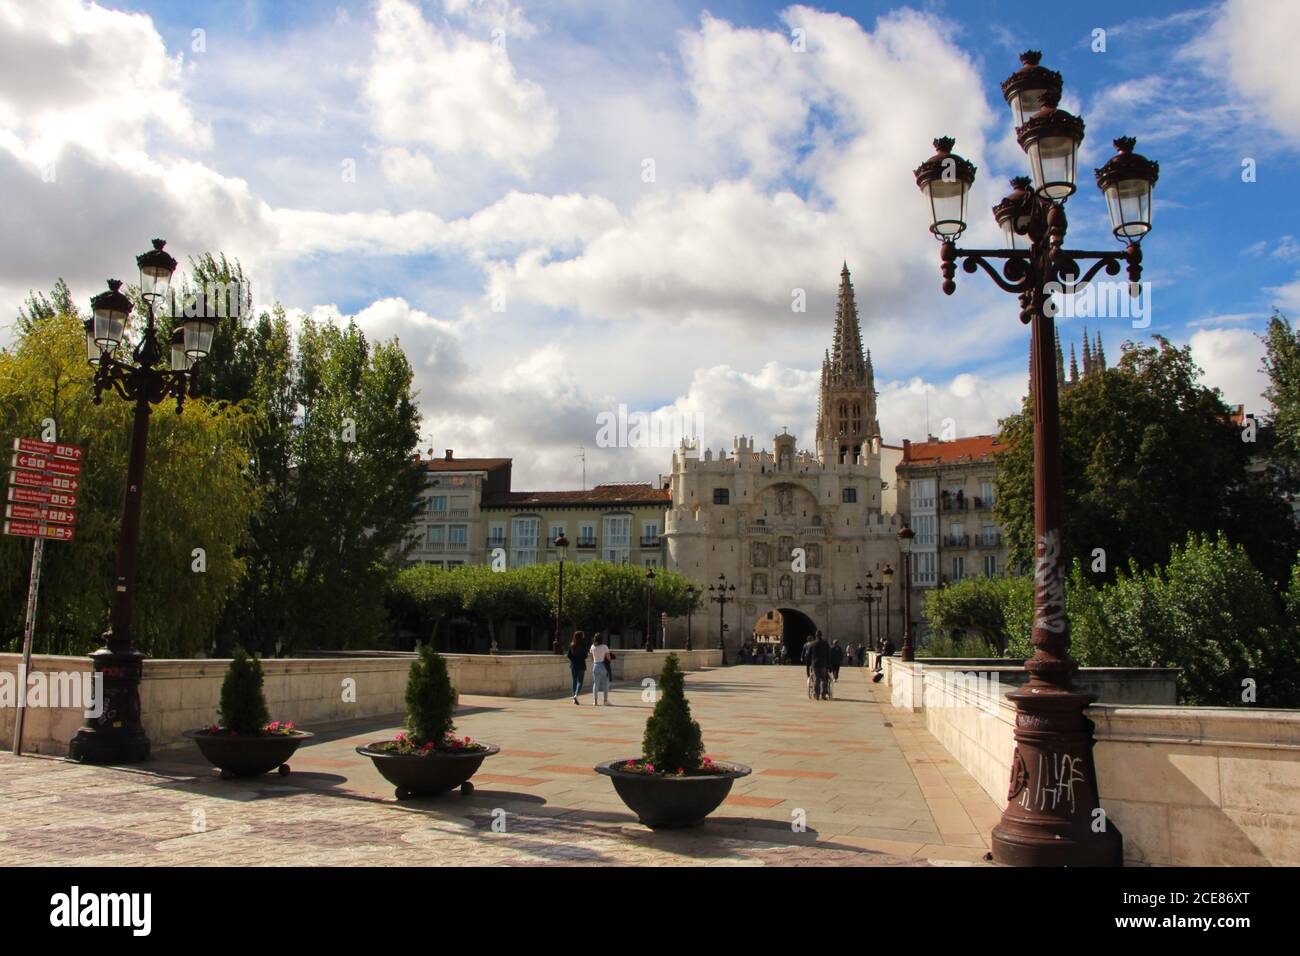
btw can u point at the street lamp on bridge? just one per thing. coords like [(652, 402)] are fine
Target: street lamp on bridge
[(723, 593), (1053, 737)]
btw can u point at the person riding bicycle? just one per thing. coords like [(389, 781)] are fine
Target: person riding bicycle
[(819, 657)]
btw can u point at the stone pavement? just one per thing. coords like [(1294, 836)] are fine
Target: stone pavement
[(871, 785)]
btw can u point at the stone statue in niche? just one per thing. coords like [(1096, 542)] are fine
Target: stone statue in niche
[(760, 554)]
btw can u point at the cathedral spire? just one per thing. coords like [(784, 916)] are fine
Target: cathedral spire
[(847, 364), (1074, 366)]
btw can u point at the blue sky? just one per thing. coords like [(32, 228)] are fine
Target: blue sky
[(472, 176)]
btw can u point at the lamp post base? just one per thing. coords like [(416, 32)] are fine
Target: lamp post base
[(1053, 817), (115, 735)]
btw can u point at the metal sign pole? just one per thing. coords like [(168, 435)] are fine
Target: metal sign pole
[(33, 585)]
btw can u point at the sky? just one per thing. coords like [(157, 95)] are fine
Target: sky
[(565, 208)]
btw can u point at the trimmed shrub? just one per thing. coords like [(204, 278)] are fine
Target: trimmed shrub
[(430, 699), (243, 705), (672, 739)]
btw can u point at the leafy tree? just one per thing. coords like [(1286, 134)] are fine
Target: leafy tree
[(334, 461), (195, 497), (672, 738), (430, 699), (1148, 456), (1280, 441), (974, 606), (243, 705)]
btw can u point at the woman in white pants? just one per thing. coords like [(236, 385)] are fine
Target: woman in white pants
[(601, 655)]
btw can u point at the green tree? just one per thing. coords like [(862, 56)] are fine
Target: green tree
[(975, 606), (197, 501), (672, 738), (430, 699), (1148, 456), (243, 705)]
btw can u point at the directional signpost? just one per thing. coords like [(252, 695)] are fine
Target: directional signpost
[(43, 493)]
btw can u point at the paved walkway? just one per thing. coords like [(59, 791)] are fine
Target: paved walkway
[(869, 784)]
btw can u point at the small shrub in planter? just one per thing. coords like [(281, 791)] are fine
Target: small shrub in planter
[(673, 783), (246, 742), (428, 758)]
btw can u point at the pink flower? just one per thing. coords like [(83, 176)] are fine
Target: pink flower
[(650, 767)]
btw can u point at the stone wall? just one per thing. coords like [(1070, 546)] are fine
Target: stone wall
[(1187, 786), (180, 695)]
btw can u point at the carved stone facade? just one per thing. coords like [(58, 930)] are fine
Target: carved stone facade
[(793, 530)]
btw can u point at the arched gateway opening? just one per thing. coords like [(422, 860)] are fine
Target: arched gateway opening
[(787, 626)]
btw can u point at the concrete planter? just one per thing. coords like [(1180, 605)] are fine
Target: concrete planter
[(248, 756), (428, 775), (663, 802)]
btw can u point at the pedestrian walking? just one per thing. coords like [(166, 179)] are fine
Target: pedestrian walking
[(601, 671), (837, 658), (577, 656), (819, 660)]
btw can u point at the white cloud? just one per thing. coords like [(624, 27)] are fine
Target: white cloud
[(448, 92), (1253, 43), (1231, 362)]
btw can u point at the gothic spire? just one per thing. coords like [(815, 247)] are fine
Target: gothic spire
[(847, 364), (1074, 366), (1087, 354), (1100, 355)]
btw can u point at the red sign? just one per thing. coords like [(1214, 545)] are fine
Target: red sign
[(33, 529), (33, 496), (39, 479), (57, 466), (31, 513), (71, 452)]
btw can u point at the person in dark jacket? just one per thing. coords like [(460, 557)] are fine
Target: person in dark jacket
[(820, 658), (577, 656), (837, 658), (806, 657)]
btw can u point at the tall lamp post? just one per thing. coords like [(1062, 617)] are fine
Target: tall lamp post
[(887, 575), (649, 619), (692, 595), (867, 597), (562, 549), (723, 593), (905, 536), (116, 735), (1053, 736)]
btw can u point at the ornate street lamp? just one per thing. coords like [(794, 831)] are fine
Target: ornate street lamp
[(868, 598), (1053, 737), (722, 593), (692, 595), (649, 619), (116, 735), (887, 575), (905, 536), (562, 549)]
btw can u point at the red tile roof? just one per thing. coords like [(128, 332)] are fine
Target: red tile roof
[(974, 448), (633, 493)]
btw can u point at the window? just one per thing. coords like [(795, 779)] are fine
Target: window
[(618, 538), (438, 503), (457, 537), (923, 567), (958, 568), (849, 496), (523, 540), (497, 536), (922, 494), (586, 535), (556, 531), (649, 534), (721, 496), (437, 534), (986, 493), (459, 506), (990, 565)]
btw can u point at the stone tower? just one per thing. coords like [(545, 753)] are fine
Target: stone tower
[(847, 426)]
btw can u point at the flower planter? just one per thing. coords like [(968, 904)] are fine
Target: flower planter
[(428, 775), (663, 801), (248, 756)]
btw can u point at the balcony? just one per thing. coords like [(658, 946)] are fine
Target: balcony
[(457, 512), (955, 504), (496, 542), (649, 540), (457, 546), (990, 540), (585, 543), (956, 541), (983, 504)]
